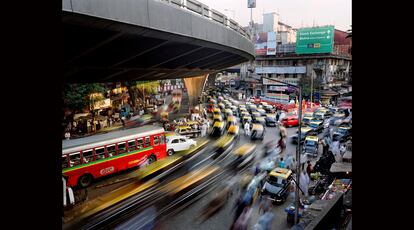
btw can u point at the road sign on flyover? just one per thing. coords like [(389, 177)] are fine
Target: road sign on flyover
[(315, 40)]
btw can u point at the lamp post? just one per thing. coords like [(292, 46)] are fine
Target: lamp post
[(297, 200), (234, 13)]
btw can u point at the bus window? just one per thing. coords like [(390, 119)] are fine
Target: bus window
[(147, 142), (65, 161), (131, 146), (140, 143), (87, 156), (111, 150), (156, 140), (74, 159), (121, 148), (162, 139), (100, 153)]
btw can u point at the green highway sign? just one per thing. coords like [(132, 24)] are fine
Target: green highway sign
[(315, 40)]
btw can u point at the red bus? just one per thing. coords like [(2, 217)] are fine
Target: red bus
[(88, 158)]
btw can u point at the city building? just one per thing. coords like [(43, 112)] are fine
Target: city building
[(331, 72)]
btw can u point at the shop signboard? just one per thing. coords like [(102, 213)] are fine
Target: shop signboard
[(315, 40)]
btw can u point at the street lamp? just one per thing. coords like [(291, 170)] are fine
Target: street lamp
[(297, 200), (234, 18)]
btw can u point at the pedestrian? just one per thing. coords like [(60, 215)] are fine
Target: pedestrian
[(281, 144), (243, 220), (309, 168), (281, 163), (67, 135), (303, 159), (282, 131), (303, 183), (265, 220), (204, 130), (247, 129), (277, 115), (336, 150), (88, 126)]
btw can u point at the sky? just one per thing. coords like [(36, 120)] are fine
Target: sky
[(296, 13)]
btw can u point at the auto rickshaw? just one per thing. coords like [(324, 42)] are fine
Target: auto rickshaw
[(258, 132), (311, 146), (234, 131)]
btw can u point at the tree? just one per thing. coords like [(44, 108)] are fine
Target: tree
[(77, 97), (306, 84), (143, 88)]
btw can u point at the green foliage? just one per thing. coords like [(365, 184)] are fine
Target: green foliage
[(146, 87), (306, 84), (77, 96)]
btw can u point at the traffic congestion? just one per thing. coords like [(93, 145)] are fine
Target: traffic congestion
[(230, 164)]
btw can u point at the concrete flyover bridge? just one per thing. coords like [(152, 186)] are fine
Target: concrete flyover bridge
[(125, 40)]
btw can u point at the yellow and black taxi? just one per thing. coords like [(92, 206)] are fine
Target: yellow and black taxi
[(218, 129), (223, 143), (217, 117), (257, 131), (244, 113), (234, 131), (231, 120), (243, 155), (216, 111), (259, 120), (305, 131), (228, 112), (343, 133), (246, 118), (277, 184), (311, 146), (221, 106), (306, 119), (316, 126)]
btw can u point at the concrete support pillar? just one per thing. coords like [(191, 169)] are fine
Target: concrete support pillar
[(194, 86)]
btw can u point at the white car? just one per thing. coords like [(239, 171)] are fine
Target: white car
[(179, 143)]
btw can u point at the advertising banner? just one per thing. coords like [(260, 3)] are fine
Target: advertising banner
[(265, 43), (315, 40), (271, 43)]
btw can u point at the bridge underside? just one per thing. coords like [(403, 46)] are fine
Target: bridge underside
[(100, 50)]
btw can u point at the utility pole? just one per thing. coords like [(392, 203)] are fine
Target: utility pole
[(298, 147)]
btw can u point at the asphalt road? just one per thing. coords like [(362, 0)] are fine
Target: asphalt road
[(188, 218)]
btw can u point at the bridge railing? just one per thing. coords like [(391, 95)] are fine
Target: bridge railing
[(211, 14)]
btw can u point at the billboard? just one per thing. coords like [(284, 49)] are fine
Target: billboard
[(315, 40), (265, 43), (251, 3)]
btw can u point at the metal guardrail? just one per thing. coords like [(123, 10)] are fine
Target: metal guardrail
[(211, 14)]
